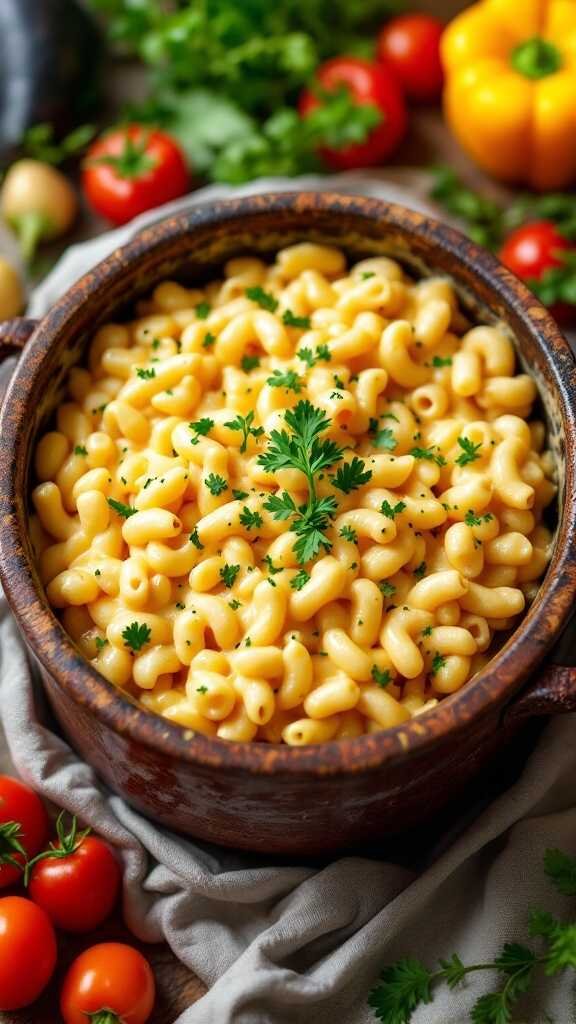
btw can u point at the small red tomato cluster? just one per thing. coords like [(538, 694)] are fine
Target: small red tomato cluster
[(73, 884), (407, 67)]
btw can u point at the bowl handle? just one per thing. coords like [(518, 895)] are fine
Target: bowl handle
[(553, 692), (14, 334)]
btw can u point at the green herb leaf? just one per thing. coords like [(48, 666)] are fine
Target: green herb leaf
[(351, 475), (136, 635), (228, 574), (244, 424), (349, 534), (196, 539), (80, 450), (249, 363), (403, 987), (469, 451), (288, 379), (122, 510), (203, 310), (145, 374), (251, 520), (385, 439), (438, 662), (200, 428), (289, 318), (299, 580), (439, 361), (472, 519), (388, 589), (209, 340), (429, 455), (263, 299), (391, 511), (382, 677), (216, 484), (561, 870)]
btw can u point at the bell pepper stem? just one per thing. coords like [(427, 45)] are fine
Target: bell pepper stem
[(31, 228), (536, 58)]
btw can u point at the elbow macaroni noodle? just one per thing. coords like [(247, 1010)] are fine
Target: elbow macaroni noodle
[(180, 587)]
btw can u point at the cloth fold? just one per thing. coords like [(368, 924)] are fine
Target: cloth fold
[(291, 944)]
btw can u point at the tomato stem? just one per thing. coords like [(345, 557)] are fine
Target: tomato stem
[(31, 228), (10, 835), (132, 162), (536, 58), (68, 842), (104, 1017)]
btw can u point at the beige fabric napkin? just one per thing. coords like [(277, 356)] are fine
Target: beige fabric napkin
[(295, 944)]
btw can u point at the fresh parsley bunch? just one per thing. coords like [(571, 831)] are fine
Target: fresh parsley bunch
[(408, 984), (225, 76)]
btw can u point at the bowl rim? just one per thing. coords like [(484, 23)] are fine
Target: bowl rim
[(500, 678)]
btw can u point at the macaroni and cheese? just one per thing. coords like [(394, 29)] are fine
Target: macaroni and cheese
[(296, 504)]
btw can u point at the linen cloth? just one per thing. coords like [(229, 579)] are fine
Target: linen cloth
[(292, 944)]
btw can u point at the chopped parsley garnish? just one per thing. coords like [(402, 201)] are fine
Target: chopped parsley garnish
[(156, 344), (427, 631), (439, 361), (251, 520), (196, 539), (351, 475), (209, 340), (250, 363), (263, 299), (203, 310), (311, 358), (429, 455), (80, 450), (216, 484), (385, 439), (381, 677), (438, 662), (390, 511), (288, 379), (472, 519), (239, 495), (288, 318), (200, 428), (228, 574), (420, 570), (244, 423), (201, 689), (349, 534), (146, 374), (366, 274), (272, 569), (100, 643), (122, 510), (234, 604), (136, 635), (299, 580), (469, 451), (388, 589)]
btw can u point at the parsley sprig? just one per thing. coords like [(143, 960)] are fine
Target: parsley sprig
[(244, 424), (136, 635), (304, 450), (469, 453), (408, 983), (288, 379)]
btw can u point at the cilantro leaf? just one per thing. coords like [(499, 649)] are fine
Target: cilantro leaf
[(281, 506), (250, 363), (239, 495), (561, 870), (388, 589), (216, 484), (228, 574), (385, 440), (264, 299), (251, 520), (429, 455), (349, 534), (403, 987), (299, 580), (136, 635), (311, 358), (382, 677), (200, 428), (288, 318), (351, 475), (244, 424), (288, 379), (390, 511), (469, 451)]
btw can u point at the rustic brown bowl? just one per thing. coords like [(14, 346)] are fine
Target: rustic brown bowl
[(272, 797)]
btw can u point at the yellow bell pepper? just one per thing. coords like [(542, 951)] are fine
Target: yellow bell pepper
[(510, 94)]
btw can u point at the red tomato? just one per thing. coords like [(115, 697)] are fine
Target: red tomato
[(23, 823), (79, 890), (368, 83), (110, 976), (133, 169), (27, 952), (531, 250), (410, 44)]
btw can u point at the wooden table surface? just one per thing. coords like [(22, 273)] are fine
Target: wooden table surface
[(428, 142)]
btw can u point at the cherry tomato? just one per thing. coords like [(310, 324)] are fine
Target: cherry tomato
[(531, 250), (368, 83), (23, 826), (79, 888), (132, 169), (112, 977), (410, 44), (27, 952)]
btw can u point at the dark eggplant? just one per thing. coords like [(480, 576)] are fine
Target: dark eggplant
[(51, 55)]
